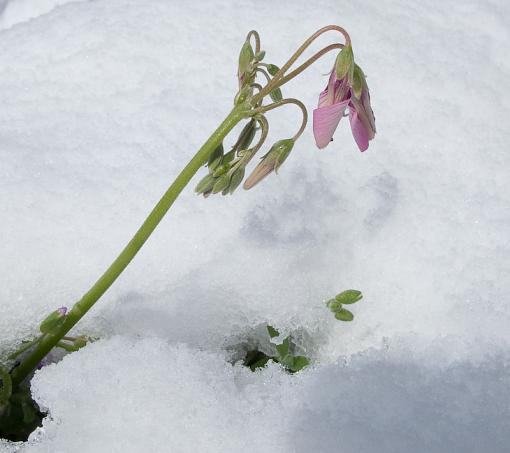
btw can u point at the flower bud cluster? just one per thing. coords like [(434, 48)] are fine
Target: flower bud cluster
[(226, 171)]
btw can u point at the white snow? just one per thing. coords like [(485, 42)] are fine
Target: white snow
[(104, 101), (17, 11)]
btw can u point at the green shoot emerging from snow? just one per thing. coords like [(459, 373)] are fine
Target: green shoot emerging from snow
[(284, 355), (285, 351), (351, 296)]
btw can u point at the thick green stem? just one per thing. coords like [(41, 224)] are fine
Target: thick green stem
[(135, 244)]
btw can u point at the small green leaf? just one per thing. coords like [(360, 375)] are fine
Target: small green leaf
[(350, 296), (276, 95), (255, 359), (272, 69), (272, 332), (333, 305), (287, 361), (260, 55), (344, 315), (283, 348), (299, 363)]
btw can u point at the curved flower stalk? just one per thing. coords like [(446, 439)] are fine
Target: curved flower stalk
[(347, 89)]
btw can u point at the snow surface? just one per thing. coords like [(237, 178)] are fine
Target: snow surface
[(102, 104), (17, 11)]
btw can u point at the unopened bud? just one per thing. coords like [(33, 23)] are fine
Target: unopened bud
[(245, 58), (282, 151), (221, 183), (344, 64), (229, 157), (247, 134), (205, 184), (236, 179), (221, 170), (350, 296), (271, 161), (344, 315), (53, 320)]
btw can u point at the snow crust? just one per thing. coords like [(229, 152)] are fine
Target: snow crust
[(18, 11), (104, 101)]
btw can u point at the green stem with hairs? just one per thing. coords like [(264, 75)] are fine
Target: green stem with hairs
[(50, 340)]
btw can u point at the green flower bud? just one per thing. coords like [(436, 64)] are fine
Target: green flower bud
[(333, 305), (245, 57), (344, 315), (271, 161), (222, 169), (276, 95), (272, 69), (221, 183), (236, 179), (350, 296), (229, 157), (283, 149), (260, 55), (344, 64), (247, 135), (205, 184)]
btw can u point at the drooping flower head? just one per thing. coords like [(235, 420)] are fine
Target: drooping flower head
[(347, 89)]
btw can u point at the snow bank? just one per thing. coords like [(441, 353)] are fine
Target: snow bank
[(146, 395), (17, 11), (102, 103)]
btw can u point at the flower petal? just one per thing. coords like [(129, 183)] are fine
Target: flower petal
[(323, 99), (359, 131), (325, 122), (365, 100)]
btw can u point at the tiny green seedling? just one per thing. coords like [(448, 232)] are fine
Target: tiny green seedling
[(284, 355), (351, 296)]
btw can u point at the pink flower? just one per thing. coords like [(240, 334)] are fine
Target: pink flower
[(334, 100)]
